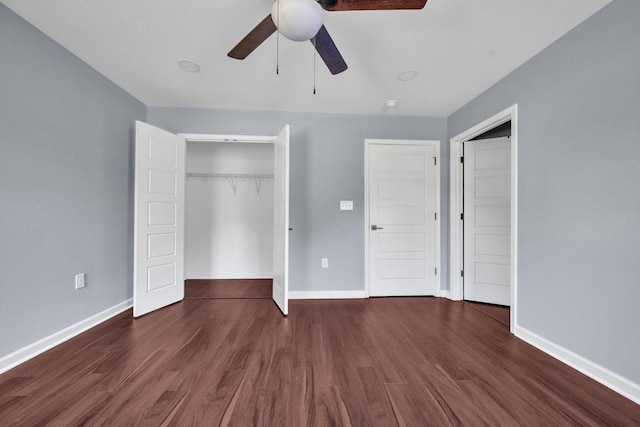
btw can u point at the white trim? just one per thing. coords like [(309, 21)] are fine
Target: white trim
[(253, 139), (32, 350), (610, 379), (367, 223), (456, 243), (444, 293), (327, 295)]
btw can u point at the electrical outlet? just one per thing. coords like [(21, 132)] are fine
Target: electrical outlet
[(81, 280), (325, 262)]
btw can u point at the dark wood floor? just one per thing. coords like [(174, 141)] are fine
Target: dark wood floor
[(499, 313), (381, 361), (236, 288)]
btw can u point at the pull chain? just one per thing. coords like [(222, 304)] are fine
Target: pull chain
[(278, 39), (315, 51)]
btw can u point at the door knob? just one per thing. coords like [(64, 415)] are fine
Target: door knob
[(375, 227)]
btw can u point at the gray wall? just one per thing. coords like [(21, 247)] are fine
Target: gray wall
[(65, 170), (579, 186), (327, 165)]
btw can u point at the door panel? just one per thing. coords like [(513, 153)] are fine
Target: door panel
[(402, 215), (487, 221), (402, 207), (281, 221), (401, 189), (159, 219)]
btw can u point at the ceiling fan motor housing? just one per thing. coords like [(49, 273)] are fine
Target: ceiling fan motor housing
[(297, 20)]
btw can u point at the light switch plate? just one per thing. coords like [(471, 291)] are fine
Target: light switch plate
[(346, 205)]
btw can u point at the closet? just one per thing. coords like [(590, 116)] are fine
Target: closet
[(229, 210)]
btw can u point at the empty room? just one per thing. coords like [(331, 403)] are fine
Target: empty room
[(331, 212)]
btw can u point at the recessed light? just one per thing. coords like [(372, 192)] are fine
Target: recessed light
[(188, 65), (405, 76), (391, 105)]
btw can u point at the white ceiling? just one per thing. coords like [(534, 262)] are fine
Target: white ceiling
[(459, 48)]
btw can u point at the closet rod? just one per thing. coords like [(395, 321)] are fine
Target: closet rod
[(228, 175)]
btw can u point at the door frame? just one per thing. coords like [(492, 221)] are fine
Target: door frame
[(198, 137), (238, 139), (456, 182), (367, 222)]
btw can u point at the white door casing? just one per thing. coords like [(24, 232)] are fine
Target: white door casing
[(487, 221), (158, 219), (456, 206), (403, 199), (280, 291)]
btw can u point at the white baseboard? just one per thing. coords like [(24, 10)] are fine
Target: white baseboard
[(610, 379), (327, 295), (32, 350), (344, 294), (443, 293)]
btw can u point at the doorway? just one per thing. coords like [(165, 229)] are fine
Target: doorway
[(457, 208), (228, 219), (402, 203)]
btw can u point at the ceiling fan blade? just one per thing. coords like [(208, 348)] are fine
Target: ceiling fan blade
[(251, 41), (329, 52), (340, 5)]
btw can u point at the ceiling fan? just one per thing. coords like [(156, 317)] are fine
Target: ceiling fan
[(301, 20)]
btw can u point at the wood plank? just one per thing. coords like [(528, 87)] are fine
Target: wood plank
[(378, 402), (413, 405), (330, 408)]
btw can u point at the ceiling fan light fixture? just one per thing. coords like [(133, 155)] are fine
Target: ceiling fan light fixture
[(297, 20)]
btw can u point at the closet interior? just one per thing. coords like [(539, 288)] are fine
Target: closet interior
[(229, 210)]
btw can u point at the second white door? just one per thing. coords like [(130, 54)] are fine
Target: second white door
[(487, 221), (280, 287), (402, 219)]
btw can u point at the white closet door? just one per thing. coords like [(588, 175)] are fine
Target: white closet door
[(159, 219), (402, 208), (281, 221), (487, 221)]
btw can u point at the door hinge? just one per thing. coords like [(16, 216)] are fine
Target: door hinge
[(462, 217), (436, 271), (462, 159), (435, 161), (461, 273), (435, 216)]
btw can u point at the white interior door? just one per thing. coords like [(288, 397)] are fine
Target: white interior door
[(281, 221), (159, 219), (487, 221), (402, 218)]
